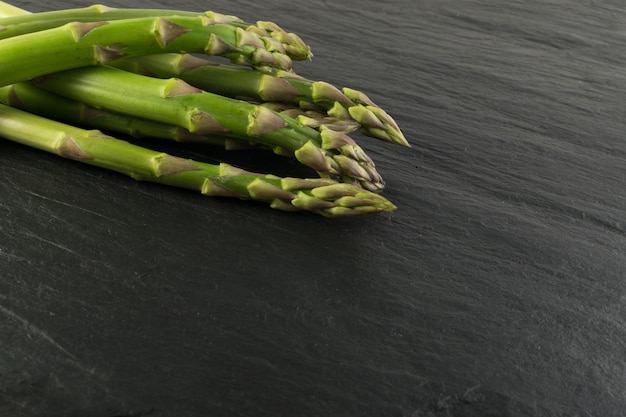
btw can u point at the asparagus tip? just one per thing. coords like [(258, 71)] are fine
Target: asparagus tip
[(264, 121), (323, 91), (277, 89), (312, 156), (342, 200)]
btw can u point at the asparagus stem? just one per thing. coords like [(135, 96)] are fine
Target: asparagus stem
[(322, 196), (26, 96), (175, 102), (281, 86), (82, 44), (20, 24), (15, 21)]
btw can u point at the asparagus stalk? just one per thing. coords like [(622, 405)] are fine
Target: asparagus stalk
[(313, 118), (173, 101), (281, 86), (28, 97), (15, 21), (82, 44), (322, 196), (25, 22)]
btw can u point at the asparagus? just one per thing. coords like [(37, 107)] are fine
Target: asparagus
[(280, 86), (28, 97), (25, 22), (173, 101), (313, 118), (18, 22), (79, 44), (322, 196)]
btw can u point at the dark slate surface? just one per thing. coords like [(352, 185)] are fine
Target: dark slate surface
[(498, 288)]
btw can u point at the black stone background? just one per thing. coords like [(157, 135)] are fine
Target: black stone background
[(497, 288)]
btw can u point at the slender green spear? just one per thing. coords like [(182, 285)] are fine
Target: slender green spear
[(322, 196), (15, 21), (314, 118), (79, 44), (279, 86), (28, 97)]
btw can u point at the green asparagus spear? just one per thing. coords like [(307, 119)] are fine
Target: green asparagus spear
[(82, 44), (26, 96), (19, 22), (322, 196), (282, 86), (34, 22), (173, 101), (313, 118)]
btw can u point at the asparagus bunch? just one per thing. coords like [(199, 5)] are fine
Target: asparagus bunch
[(72, 81), (331, 154)]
